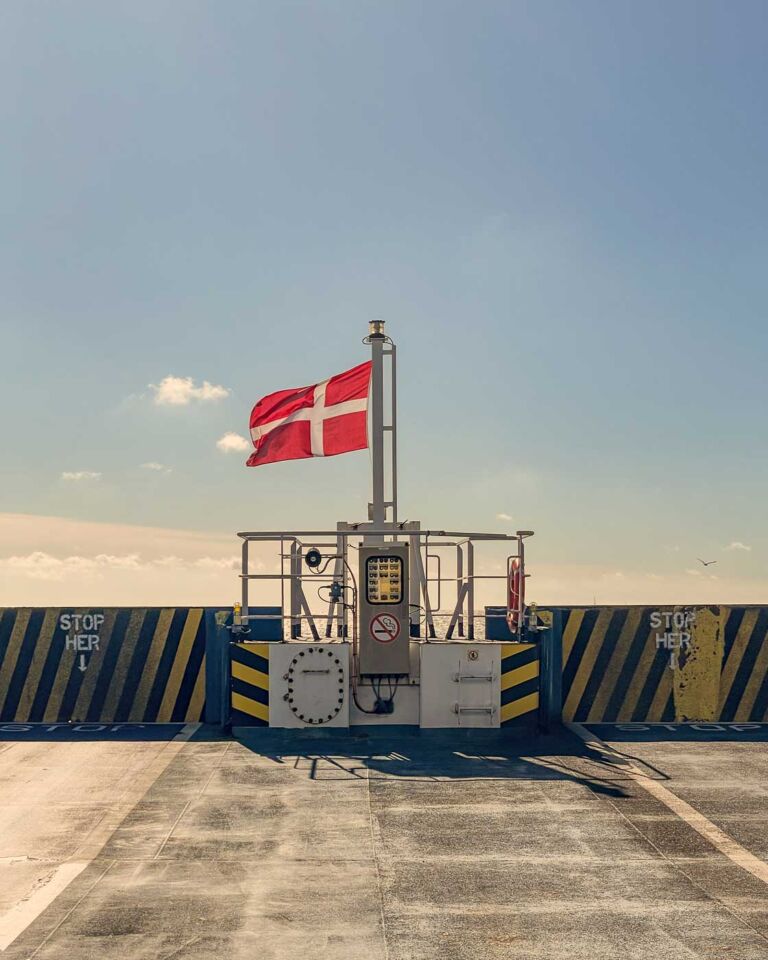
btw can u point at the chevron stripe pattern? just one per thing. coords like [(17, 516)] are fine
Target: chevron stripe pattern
[(148, 665), (614, 670), (519, 681), (250, 684)]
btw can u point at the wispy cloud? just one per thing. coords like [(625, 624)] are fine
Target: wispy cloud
[(154, 467), (181, 391), (80, 475), (54, 561), (738, 545), (40, 565), (503, 516), (233, 443)]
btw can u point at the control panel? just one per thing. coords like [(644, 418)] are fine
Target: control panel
[(383, 604)]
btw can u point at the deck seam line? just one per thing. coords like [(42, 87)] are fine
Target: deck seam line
[(377, 870), (71, 910), (186, 806)]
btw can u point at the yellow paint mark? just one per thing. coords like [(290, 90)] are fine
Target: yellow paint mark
[(12, 653), (180, 662), (260, 649), (513, 649), (696, 676), (120, 674), (720, 840), (195, 709), (94, 662), (512, 678), (516, 708), (617, 660), (159, 639), (587, 663), (570, 633), (639, 676), (248, 675), (251, 707), (42, 646), (736, 655)]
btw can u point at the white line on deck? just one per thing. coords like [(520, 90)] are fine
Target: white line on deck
[(719, 840), (21, 915)]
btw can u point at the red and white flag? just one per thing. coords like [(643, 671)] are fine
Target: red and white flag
[(318, 421)]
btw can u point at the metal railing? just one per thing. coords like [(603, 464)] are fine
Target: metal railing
[(336, 546)]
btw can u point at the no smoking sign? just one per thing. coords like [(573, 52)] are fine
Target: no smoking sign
[(385, 628)]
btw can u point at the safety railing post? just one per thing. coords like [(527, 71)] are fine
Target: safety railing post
[(294, 591), (470, 590)]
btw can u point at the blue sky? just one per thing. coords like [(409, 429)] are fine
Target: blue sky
[(560, 209)]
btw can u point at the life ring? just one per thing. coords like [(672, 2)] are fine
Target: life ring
[(515, 595)]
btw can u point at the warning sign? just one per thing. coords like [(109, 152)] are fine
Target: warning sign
[(385, 628)]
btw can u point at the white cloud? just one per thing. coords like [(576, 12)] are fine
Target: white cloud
[(503, 516), (232, 443), (156, 467), (80, 475), (219, 563), (40, 565), (61, 562), (738, 545), (181, 391), (55, 561), (43, 566), (693, 573)]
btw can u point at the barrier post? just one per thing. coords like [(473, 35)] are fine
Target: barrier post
[(217, 639), (550, 670)]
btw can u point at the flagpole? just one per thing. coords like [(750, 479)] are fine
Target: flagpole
[(377, 339)]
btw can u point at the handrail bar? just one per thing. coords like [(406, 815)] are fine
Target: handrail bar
[(368, 532)]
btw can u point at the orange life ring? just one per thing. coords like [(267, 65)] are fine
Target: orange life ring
[(515, 595)]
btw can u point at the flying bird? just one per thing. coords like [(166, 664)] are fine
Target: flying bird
[(706, 563)]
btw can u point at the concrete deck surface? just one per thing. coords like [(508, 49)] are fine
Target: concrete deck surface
[(395, 847)]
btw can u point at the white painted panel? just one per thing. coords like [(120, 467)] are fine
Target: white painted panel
[(460, 684), (306, 683)]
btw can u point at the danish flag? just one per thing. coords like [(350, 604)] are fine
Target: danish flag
[(318, 421)]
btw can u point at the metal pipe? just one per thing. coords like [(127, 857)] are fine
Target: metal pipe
[(471, 591), (378, 507), (295, 574), (414, 620), (364, 530), (460, 587), (244, 581), (393, 361), (282, 582)]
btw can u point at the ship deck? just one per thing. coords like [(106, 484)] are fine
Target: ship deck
[(167, 841)]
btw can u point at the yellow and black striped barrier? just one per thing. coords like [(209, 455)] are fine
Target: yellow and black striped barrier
[(619, 664), (102, 665), (250, 684), (665, 664), (519, 681), (743, 688)]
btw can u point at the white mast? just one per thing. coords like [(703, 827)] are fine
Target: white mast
[(382, 346)]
